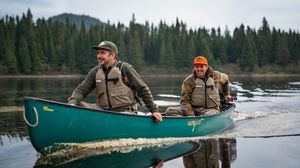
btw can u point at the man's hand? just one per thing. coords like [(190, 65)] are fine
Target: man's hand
[(228, 98), (157, 116)]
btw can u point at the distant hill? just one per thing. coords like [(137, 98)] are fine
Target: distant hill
[(88, 21)]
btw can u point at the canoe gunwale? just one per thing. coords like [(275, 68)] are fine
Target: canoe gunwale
[(28, 98)]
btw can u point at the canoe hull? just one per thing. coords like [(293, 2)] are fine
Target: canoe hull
[(63, 123)]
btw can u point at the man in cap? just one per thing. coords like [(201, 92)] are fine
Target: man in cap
[(116, 83), (200, 95)]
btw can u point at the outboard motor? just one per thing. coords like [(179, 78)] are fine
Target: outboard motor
[(233, 94)]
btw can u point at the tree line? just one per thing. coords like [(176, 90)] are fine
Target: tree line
[(45, 46)]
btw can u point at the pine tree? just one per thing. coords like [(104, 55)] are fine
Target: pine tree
[(191, 52), (69, 51), (24, 54), (264, 42), (42, 43), (51, 52), (248, 58), (123, 56), (220, 48), (135, 54), (80, 50), (153, 51), (170, 56), (283, 55), (9, 58)]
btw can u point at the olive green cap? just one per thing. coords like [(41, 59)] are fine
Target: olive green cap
[(107, 45)]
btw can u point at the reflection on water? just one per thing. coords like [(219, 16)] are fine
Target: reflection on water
[(196, 154), (13, 126), (12, 90), (132, 156), (265, 107), (211, 153)]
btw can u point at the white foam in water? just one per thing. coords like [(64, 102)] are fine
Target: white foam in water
[(168, 95), (238, 86), (238, 116), (294, 83), (282, 91), (258, 90)]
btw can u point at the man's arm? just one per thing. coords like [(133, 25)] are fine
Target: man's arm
[(186, 94), (84, 88), (223, 80), (134, 81)]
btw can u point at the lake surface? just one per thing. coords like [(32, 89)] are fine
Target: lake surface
[(265, 133)]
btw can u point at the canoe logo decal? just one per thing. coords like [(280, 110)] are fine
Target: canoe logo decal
[(45, 108), (194, 123)]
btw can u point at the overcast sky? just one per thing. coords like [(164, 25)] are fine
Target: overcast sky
[(282, 14)]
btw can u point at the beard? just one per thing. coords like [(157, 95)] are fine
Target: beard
[(103, 61), (200, 73)]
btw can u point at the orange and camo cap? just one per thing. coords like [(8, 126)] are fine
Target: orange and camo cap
[(200, 61)]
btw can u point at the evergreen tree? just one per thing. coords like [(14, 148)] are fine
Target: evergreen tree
[(275, 46), (162, 48), (170, 56), (135, 54), (42, 43), (264, 43), (9, 58), (35, 57), (153, 51), (283, 55), (2, 40), (80, 50), (191, 51), (58, 38), (248, 58), (51, 53), (24, 54), (44, 46), (69, 51), (123, 56), (220, 48)]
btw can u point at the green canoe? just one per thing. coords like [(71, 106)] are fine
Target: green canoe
[(51, 122)]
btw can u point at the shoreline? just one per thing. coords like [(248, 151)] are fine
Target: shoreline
[(43, 76), (254, 75)]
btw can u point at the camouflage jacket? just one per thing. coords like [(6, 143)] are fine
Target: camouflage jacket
[(220, 79), (129, 77)]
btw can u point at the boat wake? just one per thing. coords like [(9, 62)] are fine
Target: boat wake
[(240, 116)]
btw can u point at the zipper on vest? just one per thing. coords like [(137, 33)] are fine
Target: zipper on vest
[(106, 87), (205, 95)]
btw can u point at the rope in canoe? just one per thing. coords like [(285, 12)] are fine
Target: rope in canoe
[(36, 115)]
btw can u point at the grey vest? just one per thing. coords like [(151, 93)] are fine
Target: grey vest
[(205, 95), (111, 91)]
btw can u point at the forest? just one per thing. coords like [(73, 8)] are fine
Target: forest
[(46, 46)]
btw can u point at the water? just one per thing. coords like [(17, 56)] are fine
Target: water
[(265, 133)]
